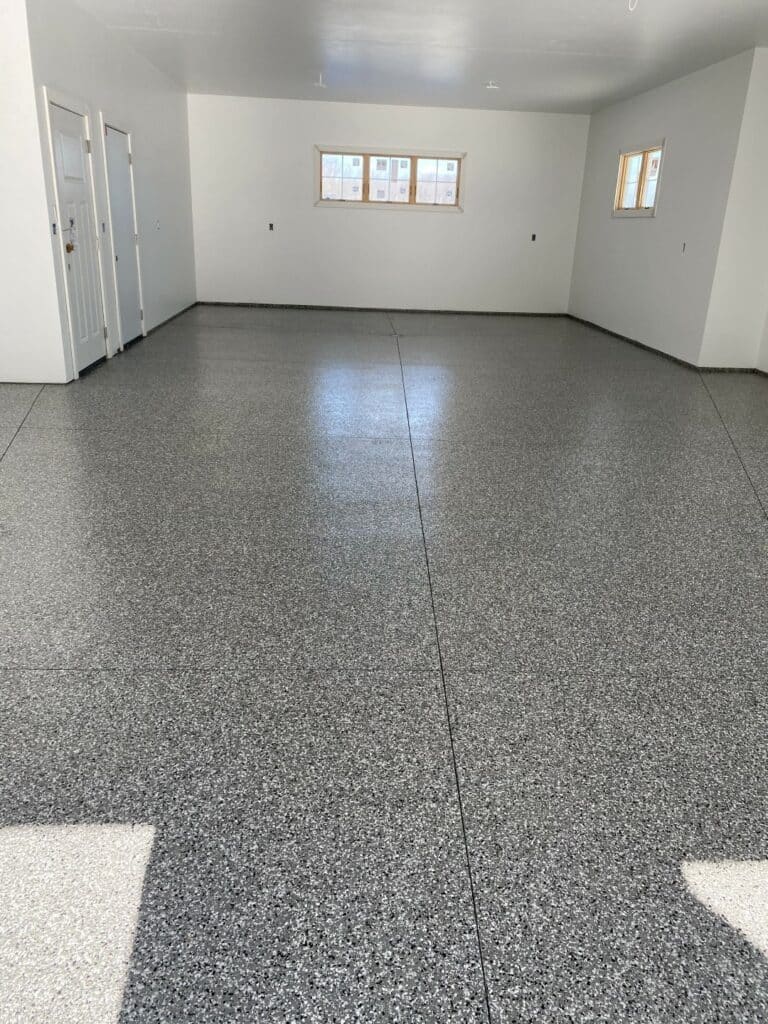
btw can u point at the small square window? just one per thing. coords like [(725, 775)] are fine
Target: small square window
[(638, 183)]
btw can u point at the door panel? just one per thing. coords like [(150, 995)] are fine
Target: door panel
[(121, 210), (78, 235)]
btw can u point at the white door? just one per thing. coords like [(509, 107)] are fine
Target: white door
[(78, 235), (122, 215)]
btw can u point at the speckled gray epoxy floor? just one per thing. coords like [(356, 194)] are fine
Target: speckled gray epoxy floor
[(218, 620)]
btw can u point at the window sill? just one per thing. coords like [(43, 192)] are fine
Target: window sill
[(347, 204), (635, 213)]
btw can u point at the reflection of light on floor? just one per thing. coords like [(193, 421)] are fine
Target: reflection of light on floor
[(368, 394), (427, 397), (70, 898), (339, 392), (736, 891)]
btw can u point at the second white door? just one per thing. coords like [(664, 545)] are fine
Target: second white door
[(124, 236)]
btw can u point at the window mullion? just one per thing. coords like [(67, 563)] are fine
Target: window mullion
[(412, 185), (366, 177), (622, 182), (641, 183)]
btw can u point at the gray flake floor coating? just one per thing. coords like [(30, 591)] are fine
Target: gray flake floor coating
[(431, 647)]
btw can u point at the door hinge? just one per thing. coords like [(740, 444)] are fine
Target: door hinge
[(130, 158), (87, 145), (141, 312), (105, 332)]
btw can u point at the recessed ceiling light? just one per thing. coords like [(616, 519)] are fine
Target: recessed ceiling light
[(491, 85)]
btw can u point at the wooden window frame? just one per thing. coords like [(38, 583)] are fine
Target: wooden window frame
[(371, 152), (624, 158)]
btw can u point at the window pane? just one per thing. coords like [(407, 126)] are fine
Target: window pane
[(633, 165), (389, 167), (649, 197), (342, 176), (437, 181), (389, 191), (380, 167), (352, 188), (651, 178), (446, 194), (352, 166), (426, 192), (390, 179), (629, 197), (379, 191), (331, 188), (403, 168), (331, 165), (426, 170), (447, 170)]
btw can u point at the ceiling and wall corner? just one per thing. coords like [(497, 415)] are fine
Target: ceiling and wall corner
[(738, 305), (558, 56), (650, 279), (31, 348)]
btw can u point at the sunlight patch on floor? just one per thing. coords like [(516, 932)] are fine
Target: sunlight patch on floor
[(737, 891), (70, 897)]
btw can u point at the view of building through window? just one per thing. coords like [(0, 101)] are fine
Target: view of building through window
[(390, 179), (383, 178), (342, 176)]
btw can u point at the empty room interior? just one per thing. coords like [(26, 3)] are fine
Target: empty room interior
[(384, 512)]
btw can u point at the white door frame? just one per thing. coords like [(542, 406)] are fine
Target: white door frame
[(76, 106), (107, 122)]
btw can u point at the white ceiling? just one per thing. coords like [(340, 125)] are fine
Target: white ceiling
[(560, 55)]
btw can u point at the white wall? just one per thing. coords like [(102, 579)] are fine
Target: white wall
[(631, 275), (762, 358), (252, 162), (739, 302), (30, 338), (74, 54)]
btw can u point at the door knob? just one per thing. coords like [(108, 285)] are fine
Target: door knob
[(70, 247)]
